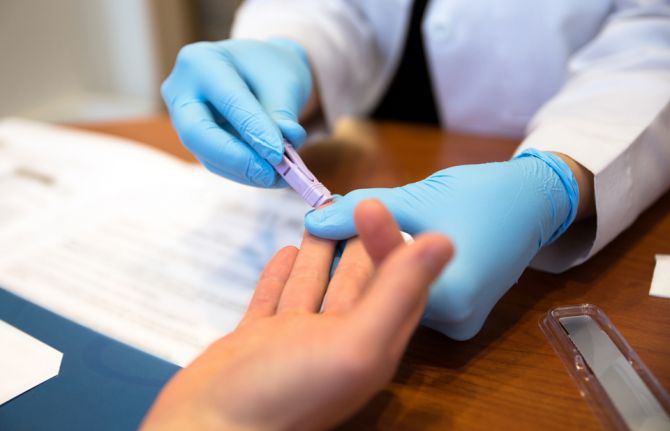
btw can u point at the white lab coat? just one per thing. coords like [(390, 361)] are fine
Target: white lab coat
[(587, 78)]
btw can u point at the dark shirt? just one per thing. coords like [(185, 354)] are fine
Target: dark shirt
[(409, 97)]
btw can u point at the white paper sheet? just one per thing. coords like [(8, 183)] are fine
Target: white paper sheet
[(660, 283), (25, 362), (160, 254)]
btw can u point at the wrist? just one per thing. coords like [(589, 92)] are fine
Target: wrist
[(584, 179), (564, 195)]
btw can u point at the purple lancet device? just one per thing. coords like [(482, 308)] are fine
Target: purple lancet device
[(296, 174)]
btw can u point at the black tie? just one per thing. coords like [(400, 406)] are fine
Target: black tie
[(410, 95)]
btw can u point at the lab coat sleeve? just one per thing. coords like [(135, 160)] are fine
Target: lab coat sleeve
[(346, 59), (613, 117)]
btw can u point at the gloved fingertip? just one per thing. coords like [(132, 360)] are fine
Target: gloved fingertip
[(316, 216), (315, 224), (271, 150), (275, 157), (261, 176), (321, 214), (331, 222), (293, 131)]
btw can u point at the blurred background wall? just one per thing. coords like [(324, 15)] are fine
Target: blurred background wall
[(92, 60)]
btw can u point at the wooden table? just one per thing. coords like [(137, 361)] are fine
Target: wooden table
[(507, 377)]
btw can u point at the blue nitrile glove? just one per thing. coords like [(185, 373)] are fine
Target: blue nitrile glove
[(497, 214), (232, 101)]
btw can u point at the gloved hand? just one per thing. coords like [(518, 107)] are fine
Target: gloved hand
[(232, 101), (498, 216)]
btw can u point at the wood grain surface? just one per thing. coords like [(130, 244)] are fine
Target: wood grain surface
[(507, 377)]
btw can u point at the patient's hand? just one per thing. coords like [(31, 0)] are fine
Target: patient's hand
[(289, 366)]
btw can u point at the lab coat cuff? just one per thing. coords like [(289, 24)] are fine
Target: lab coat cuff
[(612, 189)]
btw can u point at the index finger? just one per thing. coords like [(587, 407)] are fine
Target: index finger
[(351, 276), (233, 99), (270, 285), (306, 285), (220, 151)]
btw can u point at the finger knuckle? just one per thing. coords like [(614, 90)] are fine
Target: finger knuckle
[(267, 298), (308, 277), (190, 53), (251, 123), (354, 271), (285, 115), (194, 133), (166, 93), (190, 133)]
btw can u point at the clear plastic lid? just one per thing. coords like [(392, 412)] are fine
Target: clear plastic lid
[(622, 391)]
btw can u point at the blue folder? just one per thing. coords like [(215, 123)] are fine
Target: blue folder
[(103, 384)]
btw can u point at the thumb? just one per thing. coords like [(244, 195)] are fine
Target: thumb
[(284, 102), (282, 109), (290, 128), (336, 221)]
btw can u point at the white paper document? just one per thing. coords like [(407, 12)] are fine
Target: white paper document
[(660, 283), (25, 362), (133, 243)]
